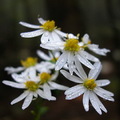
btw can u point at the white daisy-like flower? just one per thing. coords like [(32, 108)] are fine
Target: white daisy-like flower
[(93, 47), (31, 83), (89, 87), (31, 62), (72, 52), (47, 29), (34, 85)]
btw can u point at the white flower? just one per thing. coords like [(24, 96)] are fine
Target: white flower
[(35, 85), (89, 87), (93, 47), (29, 81), (47, 29), (72, 53), (31, 63)]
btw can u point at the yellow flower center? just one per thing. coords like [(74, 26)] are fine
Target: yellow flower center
[(72, 45), (44, 77), (90, 84), (31, 85), (49, 25), (29, 62)]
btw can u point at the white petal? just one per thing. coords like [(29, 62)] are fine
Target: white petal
[(55, 36), (41, 21), (55, 75), (94, 48), (70, 63), (100, 104), (21, 97), (71, 77), (40, 93), (85, 38), (47, 92), (94, 103), (27, 101), (62, 34), (32, 73), (84, 61), (31, 34), (18, 78), (74, 92), (93, 74), (58, 86), (53, 45), (89, 56), (104, 94), (11, 70), (29, 25), (103, 82), (81, 72), (42, 55), (13, 84), (45, 37), (86, 100), (61, 61)]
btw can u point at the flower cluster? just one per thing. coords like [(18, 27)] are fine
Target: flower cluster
[(67, 54)]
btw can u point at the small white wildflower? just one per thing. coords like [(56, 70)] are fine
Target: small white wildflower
[(72, 52), (29, 81), (89, 87), (93, 47), (31, 62), (47, 29)]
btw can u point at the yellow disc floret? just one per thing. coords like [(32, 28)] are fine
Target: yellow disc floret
[(31, 85), (29, 62), (72, 45), (44, 77), (90, 84), (49, 25)]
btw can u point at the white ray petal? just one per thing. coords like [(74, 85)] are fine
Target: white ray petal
[(62, 34), (104, 94), (85, 62), (71, 77), (11, 70), (18, 78), (43, 55), (21, 97), (61, 61), (103, 82), (45, 37), (94, 103), (47, 92), (89, 56), (95, 48), (31, 34), (101, 105), (27, 100), (81, 72), (32, 73), (93, 74), (73, 89), (13, 84), (58, 86), (74, 93), (29, 25), (86, 100), (41, 21)]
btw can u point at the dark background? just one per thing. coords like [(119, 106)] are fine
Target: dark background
[(99, 18)]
